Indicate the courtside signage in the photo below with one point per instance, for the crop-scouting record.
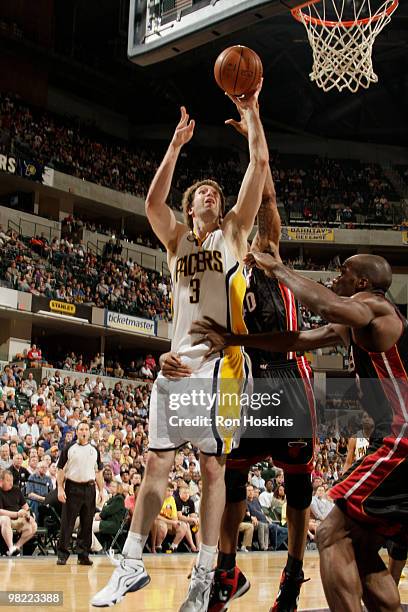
(136, 325)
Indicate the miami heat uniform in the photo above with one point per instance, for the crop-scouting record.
(375, 489)
(208, 281)
(270, 307)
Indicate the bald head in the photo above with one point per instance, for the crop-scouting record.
(372, 268)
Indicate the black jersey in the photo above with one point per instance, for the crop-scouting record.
(383, 379)
(269, 306)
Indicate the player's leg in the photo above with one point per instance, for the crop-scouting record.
(299, 496)
(380, 592)
(338, 566)
(131, 575)
(397, 553)
(229, 582)
(211, 510)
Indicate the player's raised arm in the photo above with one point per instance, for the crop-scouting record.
(269, 222)
(161, 217)
(242, 216)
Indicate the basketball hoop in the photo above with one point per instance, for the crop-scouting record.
(341, 34)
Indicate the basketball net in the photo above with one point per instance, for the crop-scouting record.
(341, 34)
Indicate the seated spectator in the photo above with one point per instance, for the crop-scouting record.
(29, 385)
(145, 372)
(168, 523)
(109, 519)
(186, 513)
(255, 515)
(18, 471)
(321, 505)
(14, 514)
(267, 530)
(5, 459)
(118, 371)
(37, 488)
(271, 506)
(257, 481)
(34, 353)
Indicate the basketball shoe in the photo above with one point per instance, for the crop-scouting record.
(129, 576)
(227, 586)
(199, 590)
(289, 591)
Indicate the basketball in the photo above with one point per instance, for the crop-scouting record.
(238, 70)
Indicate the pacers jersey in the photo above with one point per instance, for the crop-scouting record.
(383, 380)
(269, 307)
(362, 444)
(208, 281)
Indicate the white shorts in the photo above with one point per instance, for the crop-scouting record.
(204, 409)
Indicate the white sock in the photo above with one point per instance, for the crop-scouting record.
(134, 545)
(206, 556)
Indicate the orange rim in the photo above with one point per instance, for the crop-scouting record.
(299, 15)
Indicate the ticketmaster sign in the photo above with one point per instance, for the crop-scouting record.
(136, 325)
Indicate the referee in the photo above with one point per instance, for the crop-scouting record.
(79, 466)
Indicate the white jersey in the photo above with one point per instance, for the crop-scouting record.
(362, 445)
(207, 281)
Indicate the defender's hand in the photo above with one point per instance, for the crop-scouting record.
(172, 366)
(212, 333)
(263, 261)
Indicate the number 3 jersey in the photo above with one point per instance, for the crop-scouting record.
(208, 281)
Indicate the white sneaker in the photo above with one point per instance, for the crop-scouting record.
(199, 591)
(243, 549)
(14, 552)
(129, 576)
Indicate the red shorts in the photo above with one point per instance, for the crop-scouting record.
(375, 489)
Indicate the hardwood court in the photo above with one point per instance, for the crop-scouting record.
(168, 586)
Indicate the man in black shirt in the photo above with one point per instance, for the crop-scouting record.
(14, 514)
(20, 474)
(186, 513)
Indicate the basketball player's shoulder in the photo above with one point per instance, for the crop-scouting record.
(377, 303)
(181, 232)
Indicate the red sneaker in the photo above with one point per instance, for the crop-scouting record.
(227, 586)
(289, 591)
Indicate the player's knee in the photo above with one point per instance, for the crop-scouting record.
(212, 471)
(158, 463)
(325, 536)
(299, 490)
(235, 482)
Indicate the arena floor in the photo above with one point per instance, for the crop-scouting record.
(168, 586)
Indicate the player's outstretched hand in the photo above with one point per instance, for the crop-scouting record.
(211, 333)
(184, 130)
(263, 261)
(246, 103)
(172, 367)
(241, 126)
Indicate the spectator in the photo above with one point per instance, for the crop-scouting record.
(18, 471)
(168, 523)
(14, 514)
(5, 459)
(109, 519)
(257, 518)
(38, 487)
(257, 481)
(34, 353)
(186, 513)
